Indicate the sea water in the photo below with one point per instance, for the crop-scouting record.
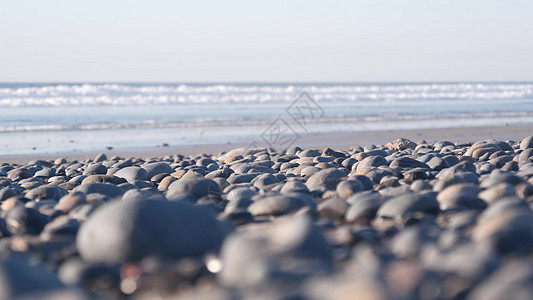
(86, 117)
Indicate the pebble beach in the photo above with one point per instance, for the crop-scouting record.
(402, 219)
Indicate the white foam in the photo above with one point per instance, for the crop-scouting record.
(143, 94)
(335, 120)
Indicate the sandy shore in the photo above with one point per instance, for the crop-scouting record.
(340, 140)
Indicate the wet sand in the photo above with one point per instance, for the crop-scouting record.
(318, 140)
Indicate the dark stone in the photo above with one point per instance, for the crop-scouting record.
(527, 143)
(294, 187)
(132, 173)
(260, 255)
(95, 169)
(157, 168)
(332, 208)
(18, 280)
(370, 163)
(100, 188)
(408, 204)
(125, 231)
(280, 204)
(199, 187)
(363, 207)
(406, 162)
(7, 192)
(329, 177)
(23, 220)
(346, 188)
(46, 192)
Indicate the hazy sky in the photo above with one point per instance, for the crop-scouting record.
(159, 40)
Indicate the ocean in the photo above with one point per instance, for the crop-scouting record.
(55, 118)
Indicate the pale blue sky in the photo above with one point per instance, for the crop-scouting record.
(417, 40)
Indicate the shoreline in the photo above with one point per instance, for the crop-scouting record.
(318, 140)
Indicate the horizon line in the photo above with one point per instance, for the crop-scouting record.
(268, 82)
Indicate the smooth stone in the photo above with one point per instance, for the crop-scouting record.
(409, 243)
(100, 158)
(497, 192)
(264, 180)
(199, 187)
(510, 231)
(346, 188)
(309, 153)
(7, 193)
(60, 161)
(460, 188)
(370, 163)
(221, 182)
(62, 225)
(478, 149)
(407, 204)
(241, 178)
(332, 208)
(123, 164)
(239, 198)
(69, 201)
(511, 281)
(333, 153)
(363, 207)
(23, 220)
(349, 162)
(406, 162)
(294, 187)
(437, 164)
(368, 184)
(82, 212)
(497, 177)
(18, 174)
(10, 203)
(224, 173)
(107, 189)
(103, 179)
(19, 280)
(95, 169)
(525, 156)
(377, 152)
(280, 204)
(461, 201)
(417, 174)
(46, 192)
(132, 173)
(464, 166)
(261, 255)
(124, 231)
(329, 177)
(165, 183)
(45, 172)
(377, 174)
(309, 170)
(420, 185)
(141, 184)
(526, 143)
(401, 144)
(452, 179)
(157, 168)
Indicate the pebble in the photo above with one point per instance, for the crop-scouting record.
(127, 231)
(329, 177)
(258, 258)
(106, 189)
(347, 188)
(132, 173)
(23, 220)
(403, 220)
